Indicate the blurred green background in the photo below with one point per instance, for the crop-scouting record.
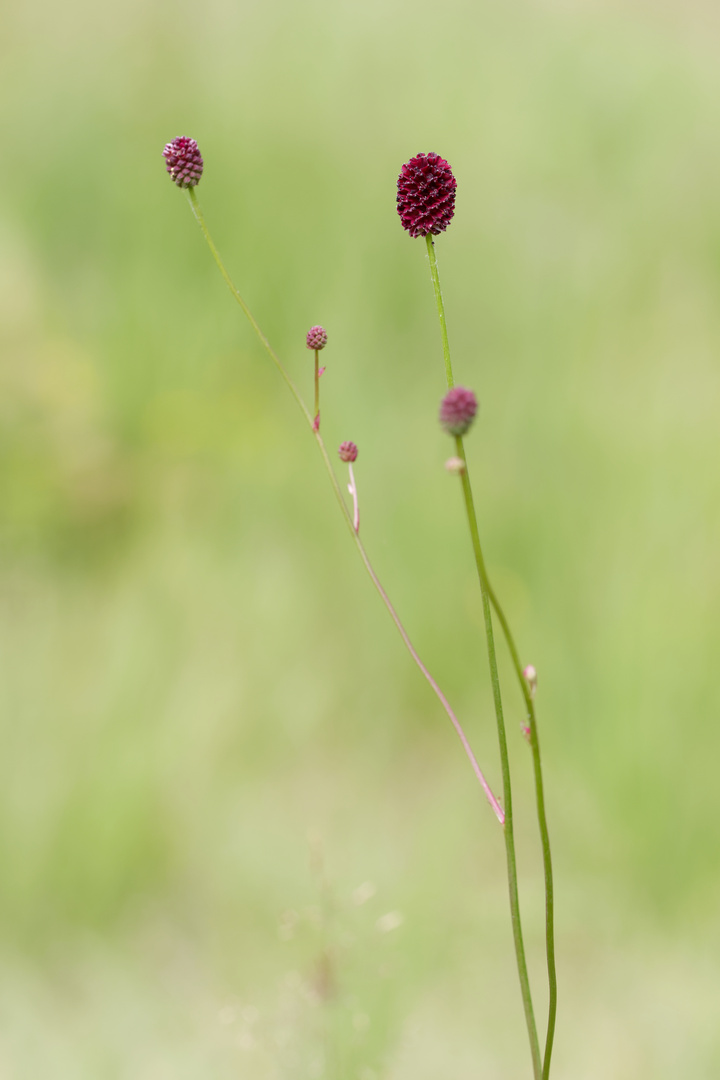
(238, 837)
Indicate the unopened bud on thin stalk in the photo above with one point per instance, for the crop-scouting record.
(316, 337)
(531, 677)
(426, 195)
(183, 161)
(457, 410)
(348, 451)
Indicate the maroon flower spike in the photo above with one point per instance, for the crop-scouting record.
(183, 161)
(348, 451)
(426, 195)
(316, 338)
(457, 410)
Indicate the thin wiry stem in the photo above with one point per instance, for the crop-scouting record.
(544, 834)
(350, 520)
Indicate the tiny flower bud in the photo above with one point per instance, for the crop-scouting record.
(457, 410)
(526, 732)
(531, 675)
(455, 465)
(426, 195)
(316, 338)
(348, 451)
(183, 161)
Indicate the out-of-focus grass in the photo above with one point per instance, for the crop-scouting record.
(199, 689)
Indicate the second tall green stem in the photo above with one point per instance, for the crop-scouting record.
(508, 828)
(540, 1068)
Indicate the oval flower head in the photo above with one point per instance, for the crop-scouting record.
(457, 410)
(426, 195)
(183, 161)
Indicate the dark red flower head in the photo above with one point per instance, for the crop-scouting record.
(316, 338)
(457, 410)
(183, 161)
(348, 451)
(426, 195)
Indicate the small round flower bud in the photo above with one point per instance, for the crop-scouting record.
(426, 195)
(457, 410)
(316, 338)
(183, 161)
(455, 465)
(348, 451)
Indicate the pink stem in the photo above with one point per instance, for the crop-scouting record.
(352, 488)
(499, 812)
(314, 425)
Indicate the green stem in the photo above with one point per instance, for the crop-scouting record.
(349, 518)
(488, 597)
(195, 207)
(530, 707)
(544, 834)
(441, 310)
(508, 830)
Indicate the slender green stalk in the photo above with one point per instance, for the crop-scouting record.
(352, 520)
(509, 830)
(441, 310)
(488, 592)
(544, 835)
(195, 207)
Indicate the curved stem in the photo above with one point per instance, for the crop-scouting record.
(544, 834)
(349, 519)
(502, 817)
(509, 830)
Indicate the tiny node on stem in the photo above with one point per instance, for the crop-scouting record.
(531, 677)
(455, 465)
